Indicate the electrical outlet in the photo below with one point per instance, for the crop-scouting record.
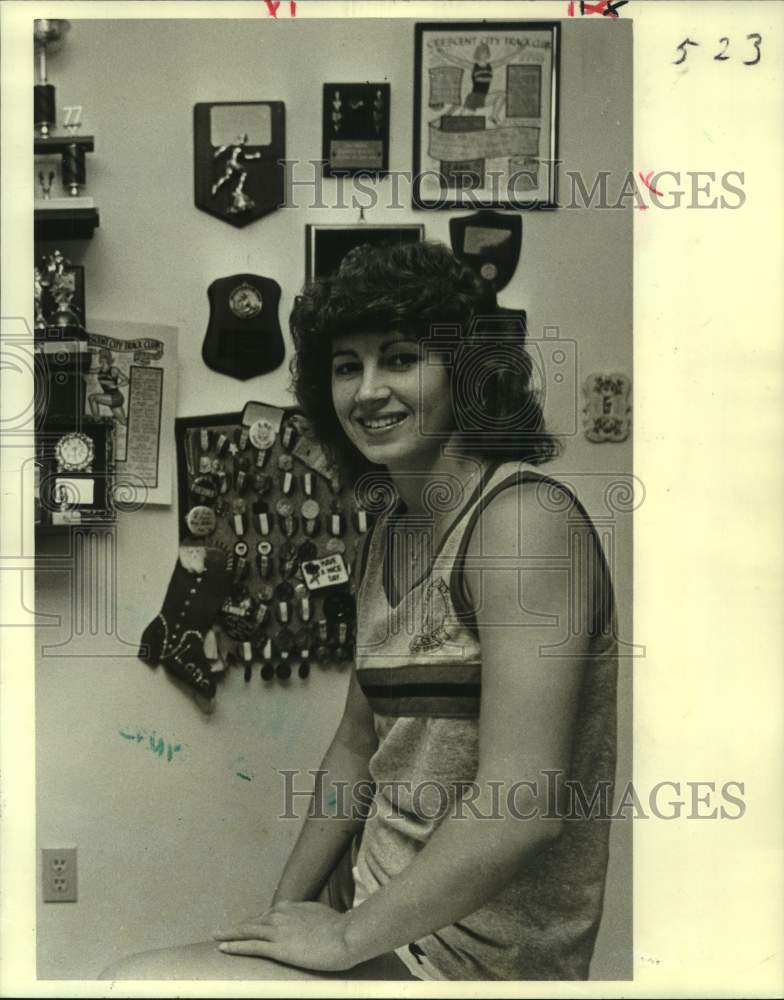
(58, 874)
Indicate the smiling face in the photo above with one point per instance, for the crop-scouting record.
(395, 407)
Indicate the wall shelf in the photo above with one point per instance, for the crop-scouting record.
(65, 223)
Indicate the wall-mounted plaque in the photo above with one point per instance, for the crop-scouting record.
(489, 242)
(326, 246)
(237, 148)
(607, 410)
(355, 128)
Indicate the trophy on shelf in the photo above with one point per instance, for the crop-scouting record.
(72, 215)
(48, 34)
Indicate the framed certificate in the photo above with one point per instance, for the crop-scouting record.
(486, 114)
(355, 129)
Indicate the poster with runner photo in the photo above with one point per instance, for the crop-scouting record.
(133, 379)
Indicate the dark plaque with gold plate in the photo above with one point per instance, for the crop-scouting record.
(75, 474)
(237, 150)
(355, 128)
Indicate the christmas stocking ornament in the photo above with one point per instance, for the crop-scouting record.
(175, 638)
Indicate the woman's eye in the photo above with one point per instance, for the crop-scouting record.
(345, 368)
(401, 359)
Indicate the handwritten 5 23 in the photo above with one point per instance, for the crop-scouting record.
(753, 51)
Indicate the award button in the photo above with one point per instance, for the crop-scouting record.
(288, 437)
(261, 513)
(201, 521)
(262, 484)
(267, 671)
(336, 545)
(262, 435)
(283, 671)
(204, 488)
(307, 551)
(285, 511)
(310, 513)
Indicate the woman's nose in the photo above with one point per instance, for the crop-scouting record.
(372, 386)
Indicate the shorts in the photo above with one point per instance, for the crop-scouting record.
(343, 891)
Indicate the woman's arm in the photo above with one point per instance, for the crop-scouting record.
(526, 718)
(322, 841)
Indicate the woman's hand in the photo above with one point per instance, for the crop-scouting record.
(308, 935)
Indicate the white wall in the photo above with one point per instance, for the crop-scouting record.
(170, 850)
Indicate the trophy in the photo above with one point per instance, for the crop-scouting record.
(57, 284)
(47, 35)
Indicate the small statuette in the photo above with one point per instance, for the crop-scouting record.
(46, 183)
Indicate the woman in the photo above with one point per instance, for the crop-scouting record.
(461, 677)
(481, 713)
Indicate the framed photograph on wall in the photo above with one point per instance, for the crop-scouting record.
(486, 114)
(326, 246)
(355, 129)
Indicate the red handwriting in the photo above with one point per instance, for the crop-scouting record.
(607, 8)
(646, 179)
(272, 8)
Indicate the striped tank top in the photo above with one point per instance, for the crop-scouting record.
(419, 664)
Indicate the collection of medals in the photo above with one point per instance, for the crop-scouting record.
(262, 491)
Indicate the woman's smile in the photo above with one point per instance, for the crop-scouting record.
(381, 423)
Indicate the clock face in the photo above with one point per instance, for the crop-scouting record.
(75, 452)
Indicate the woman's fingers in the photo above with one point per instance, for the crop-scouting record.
(261, 929)
(255, 949)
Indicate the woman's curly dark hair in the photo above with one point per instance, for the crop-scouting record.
(414, 288)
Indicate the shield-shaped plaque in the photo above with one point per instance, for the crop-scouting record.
(243, 337)
(488, 242)
(237, 152)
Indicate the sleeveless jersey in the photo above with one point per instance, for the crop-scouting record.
(419, 664)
